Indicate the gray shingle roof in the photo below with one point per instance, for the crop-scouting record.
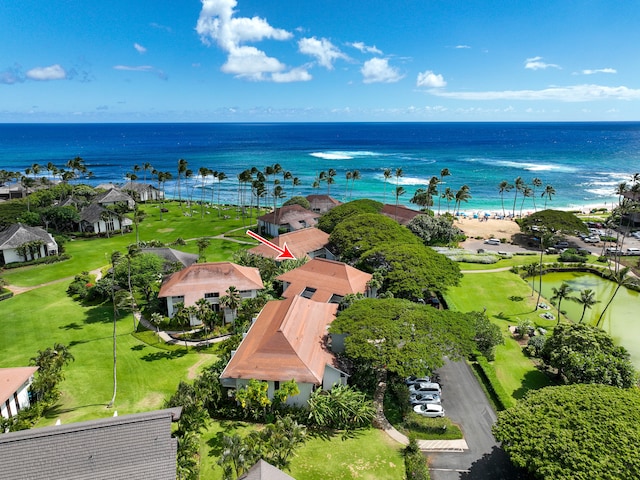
(132, 447)
(172, 256)
(113, 195)
(92, 213)
(265, 471)
(18, 234)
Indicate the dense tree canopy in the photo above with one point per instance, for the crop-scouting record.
(360, 233)
(402, 337)
(411, 270)
(434, 230)
(555, 221)
(145, 270)
(574, 432)
(587, 354)
(298, 200)
(333, 217)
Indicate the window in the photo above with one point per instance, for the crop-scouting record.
(308, 292)
(245, 293)
(212, 295)
(336, 298)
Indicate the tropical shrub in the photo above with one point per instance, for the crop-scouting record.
(342, 408)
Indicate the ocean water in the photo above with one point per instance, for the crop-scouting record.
(584, 162)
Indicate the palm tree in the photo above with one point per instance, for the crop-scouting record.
(27, 183)
(387, 175)
(204, 312)
(526, 192)
(399, 191)
(422, 199)
(399, 173)
(448, 195)
(545, 240)
(182, 316)
(146, 167)
(115, 257)
(622, 279)
(204, 173)
(519, 184)
(443, 173)
(330, 174)
(348, 176)
(202, 244)
(462, 195)
(504, 187)
(182, 169)
(531, 270)
(536, 182)
(231, 301)
(156, 319)
(560, 294)
(221, 176)
(587, 299)
(548, 192)
(355, 175)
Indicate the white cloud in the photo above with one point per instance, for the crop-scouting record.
(294, 75)
(536, 63)
(430, 79)
(52, 72)
(365, 48)
(378, 70)
(141, 68)
(251, 63)
(323, 50)
(461, 46)
(574, 93)
(139, 48)
(599, 70)
(217, 24)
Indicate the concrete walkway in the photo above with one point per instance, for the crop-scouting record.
(381, 422)
(167, 337)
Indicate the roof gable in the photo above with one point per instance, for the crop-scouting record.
(285, 342)
(18, 234)
(290, 214)
(299, 242)
(399, 213)
(11, 379)
(328, 277)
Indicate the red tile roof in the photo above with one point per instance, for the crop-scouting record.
(299, 243)
(292, 215)
(400, 214)
(285, 342)
(11, 379)
(327, 277)
(200, 278)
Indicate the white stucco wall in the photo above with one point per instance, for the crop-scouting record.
(23, 401)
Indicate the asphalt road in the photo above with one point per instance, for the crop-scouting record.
(466, 404)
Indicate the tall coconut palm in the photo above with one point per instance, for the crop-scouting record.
(422, 199)
(527, 192)
(387, 175)
(519, 185)
(432, 190)
(532, 269)
(330, 180)
(146, 167)
(587, 299)
(622, 279)
(348, 176)
(548, 192)
(448, 195)
(462, 195)
(443, 173)
(560, 294)
(502, 188)
(355, 175)
(535, 183)
(399, 173)
(399, 192)
(546, 238)
(204, 173)
(115, 258)
(221, 176)
(232, 301)
(182, 168)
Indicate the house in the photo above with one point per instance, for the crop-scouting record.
(97, 219)
(114, 196)
(399, 213)
(322, 203)
(11, 191)
(172, 257)
(308, 242)
(209, 281)
(264, 471)
(325, 280)
(143, 192)
(286, 219)
(135, 447)
(287, 341)
(14, 389)
(35, 241)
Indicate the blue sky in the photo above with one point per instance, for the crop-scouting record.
(326, 60)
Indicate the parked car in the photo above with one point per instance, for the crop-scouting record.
(633, 251)
(492, 241)
(592, 239)
(429, 410)
(560, 245)
(419, 398)
(413, 380)
(425, 388)
(613, 251)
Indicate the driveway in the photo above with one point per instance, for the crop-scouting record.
(466, 404)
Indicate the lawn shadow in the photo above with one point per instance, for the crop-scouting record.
(98, 314)
(533, 380)
(164, 355)
(57, 410)
(137, 348)
(71, 326)
(493, 465)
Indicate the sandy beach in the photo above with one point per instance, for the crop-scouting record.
(474, 227)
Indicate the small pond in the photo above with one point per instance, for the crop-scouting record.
(622, 318)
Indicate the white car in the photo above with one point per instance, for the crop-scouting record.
(592, 240)
(419, 398)
(492, 241)
(429, 410)
(430, 388)
(413, 380)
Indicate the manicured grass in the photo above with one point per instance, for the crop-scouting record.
(500, 293)
(91, 253)
(147, 376)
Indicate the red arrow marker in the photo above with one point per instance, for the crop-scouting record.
(285, 253)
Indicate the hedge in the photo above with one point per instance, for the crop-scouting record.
(38, 261)
(488, 374)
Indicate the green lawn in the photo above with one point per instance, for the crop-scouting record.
(369, 454)
(507, 299)
(147, 376)
(91, 253)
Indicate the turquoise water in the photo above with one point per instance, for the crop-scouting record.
(620, 319)
(582, 161)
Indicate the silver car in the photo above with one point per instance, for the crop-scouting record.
(429, 410)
